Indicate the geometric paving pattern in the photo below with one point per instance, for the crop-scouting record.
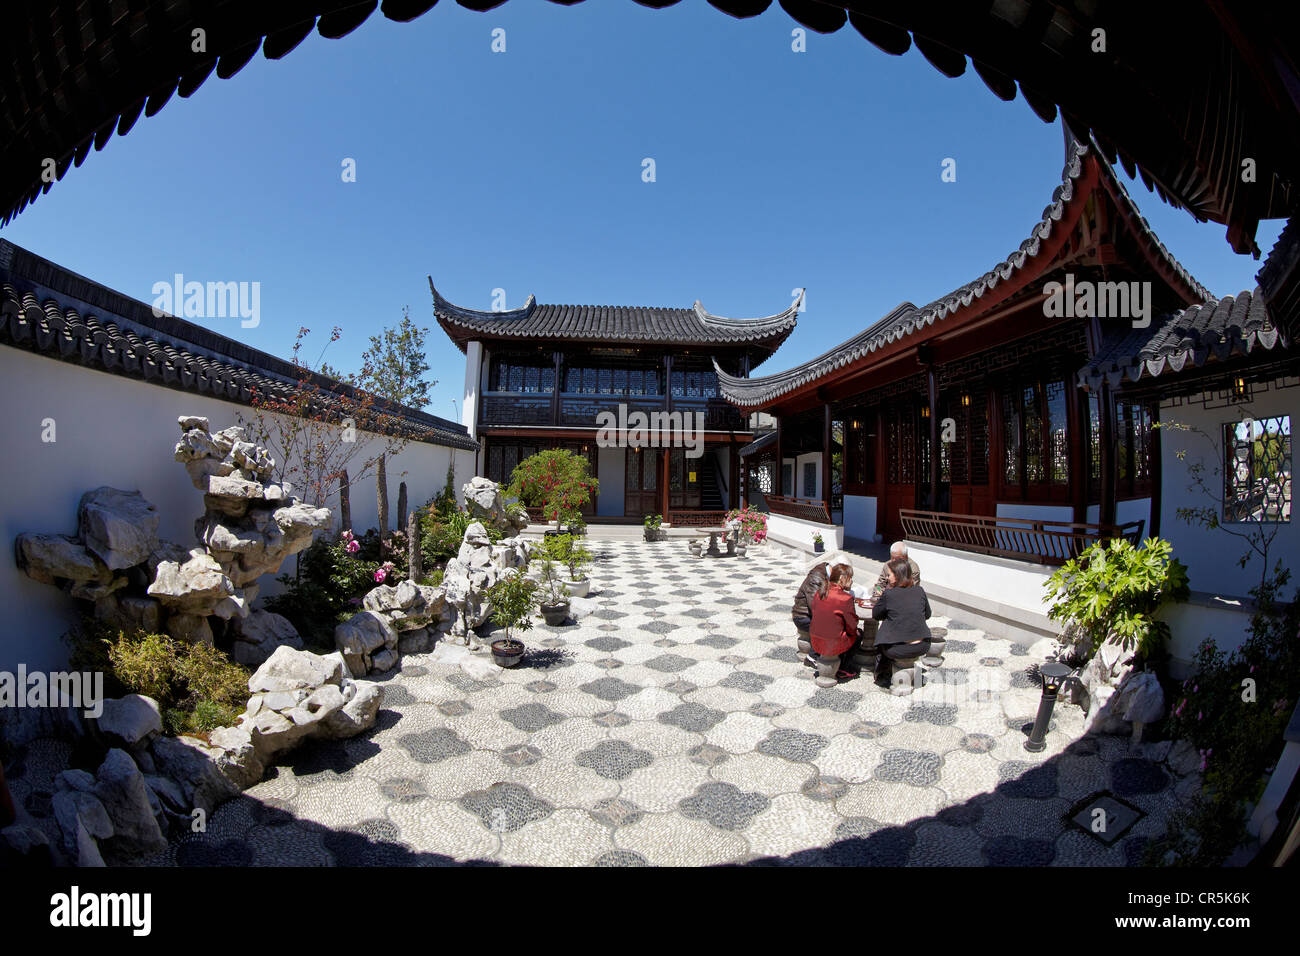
(675, 725)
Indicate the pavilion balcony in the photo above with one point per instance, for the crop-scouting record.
(1045, 542)
(582, 410)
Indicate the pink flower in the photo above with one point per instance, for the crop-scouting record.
(1200, 714)
(381, 574)
(352, 547)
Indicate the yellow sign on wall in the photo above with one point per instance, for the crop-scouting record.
(692, 479)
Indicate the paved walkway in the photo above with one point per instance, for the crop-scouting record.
(674, 725)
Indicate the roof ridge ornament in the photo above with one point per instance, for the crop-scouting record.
(707, 317)
(454, 311)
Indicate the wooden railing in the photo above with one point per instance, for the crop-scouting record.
(1047, 542)
(809, 509)
(696, 519)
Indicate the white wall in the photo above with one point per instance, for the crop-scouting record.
(860, 517)
(798, 532)
(1212, 556)
(1014, 509)
(117, 431)
(610, 463)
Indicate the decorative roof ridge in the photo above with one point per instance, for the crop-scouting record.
(776, 319)
(1179, 269)
(455, 311)
(886, 330)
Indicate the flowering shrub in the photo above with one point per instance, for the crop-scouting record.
(749, 523)
(332, 577)
(556, 480)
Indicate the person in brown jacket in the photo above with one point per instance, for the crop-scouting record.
(801, 612)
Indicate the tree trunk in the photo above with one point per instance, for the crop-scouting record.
(414, 571)
(345, 503)
(381, 487)
(401, 505)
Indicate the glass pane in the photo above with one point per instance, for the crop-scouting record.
(494, 464)
(1058, 435)
(1094, 438)
(573, 380)
(620, 381)
(604, 381)
(652, 381)
(510, 458)
(1011, 438)
(1035, 467)
(532, 379)
(679, 384)
(589, 381)
(979, 441)
(809, 479)
(516, 378)
(649, 471)
(548, 379)
(709, 384)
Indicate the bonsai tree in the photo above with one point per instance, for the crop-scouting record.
(512, 600)
(1112, 591)
(567, 550)
(556, 480)
(553, 591)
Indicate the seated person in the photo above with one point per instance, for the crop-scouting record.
(834, 628)
(897, 550)
(902, 609)
(801, 612)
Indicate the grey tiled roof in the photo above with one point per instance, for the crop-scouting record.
(906, 319)
(615, 323)
(1215, 331)
(47, 309)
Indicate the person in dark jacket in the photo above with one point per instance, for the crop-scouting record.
(902, 609)
(834, 623)
(802, 610)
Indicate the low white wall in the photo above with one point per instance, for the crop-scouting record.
(1014, 509)
(609, 472)
(1136, 509)
(1226, 621)
(117, 431)
(798, 532)
(860, 517)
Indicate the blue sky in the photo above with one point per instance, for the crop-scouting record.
(522, 171)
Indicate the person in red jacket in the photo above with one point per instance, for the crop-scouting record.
(834, 627)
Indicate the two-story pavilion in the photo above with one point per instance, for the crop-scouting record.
(582, 377)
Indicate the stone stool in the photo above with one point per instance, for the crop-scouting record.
(827, 668)
(805, 642)
(904, 677)
(937, 644)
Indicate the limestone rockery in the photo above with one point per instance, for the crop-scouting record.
(249, 526)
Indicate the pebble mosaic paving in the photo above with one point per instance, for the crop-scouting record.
(675, 725)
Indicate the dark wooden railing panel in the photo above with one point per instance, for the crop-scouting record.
(1047, 542)
(807, 509)
(516, 410)
(696, 519)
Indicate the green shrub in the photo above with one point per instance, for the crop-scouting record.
(212, 677)
(145, 664)
(328, 587)
(512, 600)
(1234, 710)
(1112, 591)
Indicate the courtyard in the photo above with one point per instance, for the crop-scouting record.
(674, 725)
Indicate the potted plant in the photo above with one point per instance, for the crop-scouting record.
(575, 558)
(818, 545)
(654, 528)
(554, 594)
(558, 481)
(512, 606)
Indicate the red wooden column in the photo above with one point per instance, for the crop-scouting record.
(1106, 513)
(780, 463)
(826, 457)
(663, 482)
(932, 383)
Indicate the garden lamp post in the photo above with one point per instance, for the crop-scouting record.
(1053, 675)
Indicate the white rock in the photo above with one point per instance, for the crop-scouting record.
(120, 527)
(122, 791)
(288, 670)
(130, 721)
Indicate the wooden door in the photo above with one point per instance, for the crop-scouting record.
(902, 453)
(641, 482)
